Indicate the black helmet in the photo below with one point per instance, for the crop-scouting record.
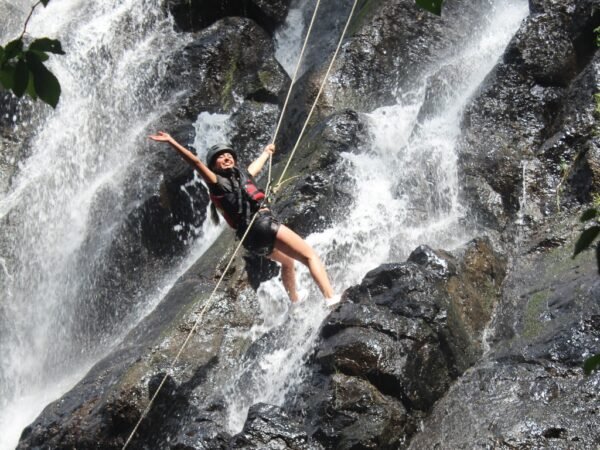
(216, 150)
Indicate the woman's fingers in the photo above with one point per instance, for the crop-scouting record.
(160, 136)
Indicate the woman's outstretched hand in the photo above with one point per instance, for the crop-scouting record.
(161, 136)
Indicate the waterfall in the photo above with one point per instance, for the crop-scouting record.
(76, 186)
(72, 192)
(406, 195)
(288, 40)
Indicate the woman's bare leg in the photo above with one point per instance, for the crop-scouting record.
(294, 246)
(288, 273)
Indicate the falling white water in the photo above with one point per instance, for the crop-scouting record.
(69, 193)
(289, 39)
(406, 189)
(211, 128)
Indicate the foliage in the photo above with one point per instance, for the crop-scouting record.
(22, 68)
(434, 6)
(591, 364)
(586, 238)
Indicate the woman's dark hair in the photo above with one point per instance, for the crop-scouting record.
(211, 156)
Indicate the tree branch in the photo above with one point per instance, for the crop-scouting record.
(29, 17)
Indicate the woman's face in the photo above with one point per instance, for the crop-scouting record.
(224, 161)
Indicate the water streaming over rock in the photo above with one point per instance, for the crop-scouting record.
(72, 194)
(406, 194)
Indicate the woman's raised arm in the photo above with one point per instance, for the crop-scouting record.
(256, 166)
(208, 175)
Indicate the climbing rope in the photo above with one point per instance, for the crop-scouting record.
(314, 105)
(211, 297)
(289, 92)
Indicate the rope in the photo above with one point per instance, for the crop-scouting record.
(318, 96)
(189, 336)
(285, 103)
(210, 300)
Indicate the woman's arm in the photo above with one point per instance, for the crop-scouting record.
(208, 175)
(259, 162)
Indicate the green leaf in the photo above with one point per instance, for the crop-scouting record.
(588, 215)
(21, 78)
(585, 239)
(46, 85)
(434, 6)
(590, 364)
(47, 45)
(13, 49)
(1, 55)
(31, 89)
(41, 55)
(7, 76)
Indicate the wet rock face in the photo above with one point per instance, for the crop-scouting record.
(317, 187)
(354, 414)
(198, 14)
(544, 49)
(232, 59)
(397, 342)
(529, 390)
(529, 135)
(394, 37)
(545, 318)
(252, 127)
(268, 426)
(516, 406)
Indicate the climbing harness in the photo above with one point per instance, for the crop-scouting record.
(210, 299)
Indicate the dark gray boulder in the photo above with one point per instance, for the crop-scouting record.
(355, 414)
(529, 389)
(198, 14)
(396, 342)
(268, 427)
(226, 63)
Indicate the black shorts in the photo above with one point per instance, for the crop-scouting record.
(261, 238)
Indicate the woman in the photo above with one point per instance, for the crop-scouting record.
(234, 193)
